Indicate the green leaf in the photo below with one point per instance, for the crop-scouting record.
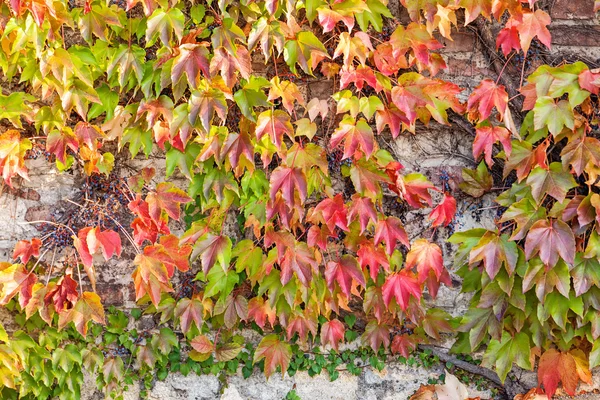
(476, 182)
(165, 23)
(509, 350)
(554, 115)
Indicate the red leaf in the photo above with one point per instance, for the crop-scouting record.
(550, 238)
(390, 231)
(261, 311)
(484, 141)
(57, 143)
(64, 295)
(486, 96)
(288, 180)
(373, 257)
(317, 236)
(202, 344)
(144, 227)
(425, 256)
(508, 38)
(401, 286)
(16, 279)
(24, 249)
(302, 323)
(344, 272)
(275, 353)
(554, 367)
(533, 24)
(414, 189)
(404, 344)
(332, 333)
(391, 117)
(334, 212)
(363, 208)
(354, 136)
(88, 134)
(376, 334)
(590, 81)
(443, 213)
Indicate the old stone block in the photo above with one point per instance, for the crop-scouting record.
(572, 9)
(581, 35)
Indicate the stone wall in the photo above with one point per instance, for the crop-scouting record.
(575, 35)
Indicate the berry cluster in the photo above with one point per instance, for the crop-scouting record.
(39, 150)
(444, 177)
(187, 286)
(385, 33)
(102, 201)
(119, 351)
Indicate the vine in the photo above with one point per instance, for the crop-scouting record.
(288, 226)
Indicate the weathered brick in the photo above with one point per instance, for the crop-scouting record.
(588, 36)
(110, 294)
(573, 9)
(461, 42)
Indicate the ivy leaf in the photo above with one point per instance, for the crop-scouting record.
(355, 135)
(290, 181)
(275, 353)
(494, 250)
(211, 249)
(13, 107)
(554, 115)
(376, 334)
(534, 24)
(426, 257)
(486, 96)
(203, 103)
(191, 60)
(476, 182)
(345, 271)
(485, 138)
(166, 22)
(580, 152)
(554, 367)
(509, 350)
(334, 212)
(551, 239)
(390, 231)
(25, 249)
(12, 155)
(94, 20)
(275, 124)
(150, 277)
(57, 143)
(401, 285)
(188, 311)
(363, 209)
(166, 197)
(227, 351)
(372, 256)
(332, 333)
(16, 279)
(524, 213)
(554, 181)
(202, 344)
(88, 308)
(404, 344)
(260, 311)
(443, 213)
(414, 189)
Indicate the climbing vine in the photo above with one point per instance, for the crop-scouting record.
(286, 204)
